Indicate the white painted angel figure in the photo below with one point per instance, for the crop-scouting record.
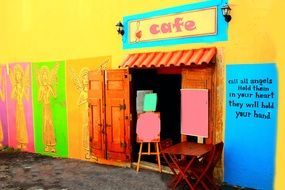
(81, 84)
(47, 81)
(20, 80)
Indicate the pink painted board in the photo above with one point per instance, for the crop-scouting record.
(194, 112)
(148, 127)
(25, 118)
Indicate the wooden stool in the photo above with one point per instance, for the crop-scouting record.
(157, 153)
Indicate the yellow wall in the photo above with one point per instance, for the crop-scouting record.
(278, 32)
(38, 30)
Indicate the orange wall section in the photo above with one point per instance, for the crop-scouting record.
(77, 89)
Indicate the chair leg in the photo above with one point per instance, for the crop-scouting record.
(211, 181)
(201, 180)
(158, 157)
(168, 163)
(140, 154)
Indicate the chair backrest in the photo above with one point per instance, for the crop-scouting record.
(206, 161)
(165, 144)
(211, 161)
(218, 149)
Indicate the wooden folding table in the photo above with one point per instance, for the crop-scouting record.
(191, 149)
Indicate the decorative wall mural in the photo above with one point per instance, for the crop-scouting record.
(2, 99)
(81, 84)
(20, 119)
(1, 128)
(77, 100)
(47, 132)
(50, 108)
(47, 82)
(20, 83)
(251, 120)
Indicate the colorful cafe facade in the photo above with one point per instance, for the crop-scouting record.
(48, 49)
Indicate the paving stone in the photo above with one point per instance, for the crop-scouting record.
(26, 171)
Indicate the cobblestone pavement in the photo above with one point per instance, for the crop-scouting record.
(25, 171)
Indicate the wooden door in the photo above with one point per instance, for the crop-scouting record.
(96, 114)
(117, 84)
(201, 78)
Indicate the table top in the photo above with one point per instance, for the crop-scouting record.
(188, 149)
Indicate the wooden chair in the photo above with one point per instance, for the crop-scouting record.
(163, 145)
(166, 144)
(203, 168)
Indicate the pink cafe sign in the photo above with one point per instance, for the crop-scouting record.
(177, 25)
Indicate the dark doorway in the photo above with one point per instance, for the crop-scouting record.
(169, 103)
(167, 87)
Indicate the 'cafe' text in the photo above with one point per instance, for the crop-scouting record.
(178, 25)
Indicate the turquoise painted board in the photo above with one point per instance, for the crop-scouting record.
(150, 101)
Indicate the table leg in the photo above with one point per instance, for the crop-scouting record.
(182, 173)
(166, 158)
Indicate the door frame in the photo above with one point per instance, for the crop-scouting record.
(203, 72)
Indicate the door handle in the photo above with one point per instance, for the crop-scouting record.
(122, 106)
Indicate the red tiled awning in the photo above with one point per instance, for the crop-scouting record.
(167, 59)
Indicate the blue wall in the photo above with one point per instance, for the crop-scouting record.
(249, 139)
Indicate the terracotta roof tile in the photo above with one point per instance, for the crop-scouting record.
(170, 59)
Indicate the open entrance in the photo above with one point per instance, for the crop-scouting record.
(112, 100)
(167, 87)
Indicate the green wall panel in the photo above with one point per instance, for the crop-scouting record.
(49, 105)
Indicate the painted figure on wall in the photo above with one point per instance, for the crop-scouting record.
(47, 81)
(81, 84)
(20, 85)
(2, 97)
